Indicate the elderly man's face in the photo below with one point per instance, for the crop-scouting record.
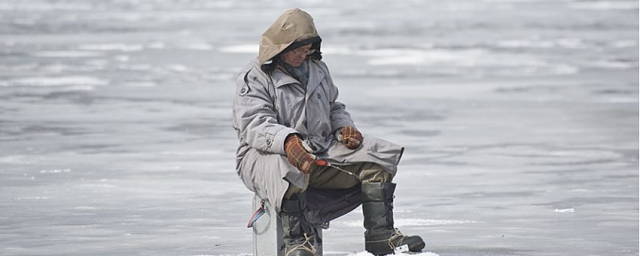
(296, 56)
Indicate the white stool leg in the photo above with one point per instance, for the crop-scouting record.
(268, 234)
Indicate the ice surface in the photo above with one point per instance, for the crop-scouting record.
(414, 222)
(364, 253)
(55, 81)
(67, 54)
(111, 47)
(519, 118)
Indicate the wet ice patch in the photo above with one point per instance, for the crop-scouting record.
(19, 159)
(94, 186)
(239, 254)
(33, 198)
(467, 58)
(587, 153)
(338, 50)
(67, 54)
(141, 84)
(604, 5)
(570, 43)
(56, 171)
(399, 60)
(624, 43)
(414, 56)
(111, 47)
(369, 254)
(134, 67)
(242, 48)
(121, 58)
(568, 210)
(620, 100)
(611, 64)
(178, 68)
(253, 48)
(193, 153)
(55, 81)
(156, 45)
(196, 46)
(84, 208)
(430, 222)
(368, 73)
(417, 222)
(218, 77)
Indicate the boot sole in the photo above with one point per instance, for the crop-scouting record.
(385, 251)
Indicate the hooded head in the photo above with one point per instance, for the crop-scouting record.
(294, 28)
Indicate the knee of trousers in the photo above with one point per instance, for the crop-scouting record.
(372, 172)
(293, 189)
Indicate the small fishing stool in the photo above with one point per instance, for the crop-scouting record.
(268, 236)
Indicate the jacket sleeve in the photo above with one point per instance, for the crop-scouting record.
(339, 115)
(255, 118)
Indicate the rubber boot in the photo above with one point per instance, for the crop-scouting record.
(381, 237)
(298, 233)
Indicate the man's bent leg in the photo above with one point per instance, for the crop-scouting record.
(332, 178)
(273, 186)
(292, 190)
(299, 234)
(377, 204)
(371, 172)
(377, 207)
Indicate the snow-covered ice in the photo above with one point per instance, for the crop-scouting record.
(519, 118)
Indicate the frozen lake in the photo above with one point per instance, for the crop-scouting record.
(519, 117)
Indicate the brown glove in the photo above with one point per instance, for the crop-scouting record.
(298, 156)
(351, 137)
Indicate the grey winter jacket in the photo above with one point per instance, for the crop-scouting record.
(269, 107)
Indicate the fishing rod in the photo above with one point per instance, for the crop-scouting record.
(324, 163)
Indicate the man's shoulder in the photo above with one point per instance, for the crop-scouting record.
(251, 65)
(320, 64)
(251, 72)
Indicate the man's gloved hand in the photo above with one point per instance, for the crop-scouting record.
(298, 156)
(351, 137)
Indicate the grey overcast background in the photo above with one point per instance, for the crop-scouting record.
(519, 117)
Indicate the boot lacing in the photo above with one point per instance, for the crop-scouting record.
(307, 241)
(396, 235)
